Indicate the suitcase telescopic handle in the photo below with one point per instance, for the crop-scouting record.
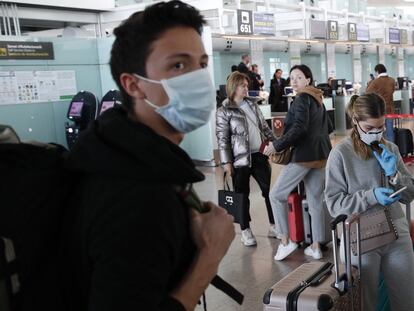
(346, 222)
(339, 284)
(354, 218)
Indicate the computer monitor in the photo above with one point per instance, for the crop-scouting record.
(106, 105)
(288, 90)
(348, 85)
(76, 109)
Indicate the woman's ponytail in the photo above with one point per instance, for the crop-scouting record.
(350, 109)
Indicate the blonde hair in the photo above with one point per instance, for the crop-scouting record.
(362, 108)
(235, 79)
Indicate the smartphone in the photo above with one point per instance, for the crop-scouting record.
(375, 146)
(398, 192)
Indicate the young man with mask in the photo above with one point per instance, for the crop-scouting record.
(135, 242)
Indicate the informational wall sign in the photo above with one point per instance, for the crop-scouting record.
(394, 35)
(244, 22)
(352, 32)
(263, 24)
(362, 32)
(333, 30)
(23, 87)
(404, 36)
(26, 50)
(317, 29)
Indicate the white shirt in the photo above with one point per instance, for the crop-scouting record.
(255, 139)
(384, 74)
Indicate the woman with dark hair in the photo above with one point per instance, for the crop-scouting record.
(360, 180)
(277, 87)
(307, 131)
(241, 129)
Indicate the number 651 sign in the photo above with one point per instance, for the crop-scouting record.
(244, 22)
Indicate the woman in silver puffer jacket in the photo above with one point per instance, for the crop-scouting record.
(241, 129)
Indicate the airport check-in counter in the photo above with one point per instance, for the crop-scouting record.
(402, 99)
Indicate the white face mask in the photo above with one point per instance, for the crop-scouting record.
(371, 136)
(191, 99)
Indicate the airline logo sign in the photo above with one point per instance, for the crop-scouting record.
(244, 22)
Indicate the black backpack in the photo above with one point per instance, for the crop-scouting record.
(34, 187)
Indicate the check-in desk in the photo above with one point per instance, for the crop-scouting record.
(340, 105)
(402, 100)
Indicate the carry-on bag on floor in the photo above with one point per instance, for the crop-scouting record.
(320, 285)
(295, 218)
(404, 141)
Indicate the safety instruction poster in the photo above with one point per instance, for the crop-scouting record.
(24, 87)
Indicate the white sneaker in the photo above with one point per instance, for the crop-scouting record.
(315, 253)
(273, 233)
(248, 238)
(285, 250)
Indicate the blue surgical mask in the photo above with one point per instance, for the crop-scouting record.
(191, 100)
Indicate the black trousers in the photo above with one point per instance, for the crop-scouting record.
(261, 172)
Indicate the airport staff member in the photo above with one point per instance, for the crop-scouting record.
(277, 87)
(243, 66)
(135, 244)
(384, 86)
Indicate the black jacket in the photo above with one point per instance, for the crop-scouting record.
(128, 243)
(276, 99)
(307, 129)
(243, 68)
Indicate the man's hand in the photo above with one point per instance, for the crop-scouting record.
(213, 231)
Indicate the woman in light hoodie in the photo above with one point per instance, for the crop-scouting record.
(307, 131)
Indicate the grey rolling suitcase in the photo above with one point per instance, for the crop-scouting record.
(320, 285)
(307, 224)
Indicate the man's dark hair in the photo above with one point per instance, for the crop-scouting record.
(234, 68)
(380, 68)
(305, 70)
(134, 37)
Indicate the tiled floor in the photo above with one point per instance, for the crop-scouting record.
(252, 270)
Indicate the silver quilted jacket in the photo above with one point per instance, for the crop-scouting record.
(233, 133)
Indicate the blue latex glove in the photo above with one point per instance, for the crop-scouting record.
(382, 196)
(387, 160)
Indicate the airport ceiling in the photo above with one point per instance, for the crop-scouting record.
(390, 3)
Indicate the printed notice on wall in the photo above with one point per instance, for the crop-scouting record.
(24, 87)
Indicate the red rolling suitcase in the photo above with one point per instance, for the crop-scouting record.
(295, 219)
(320, 285)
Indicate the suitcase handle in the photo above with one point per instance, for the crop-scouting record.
(346, 285)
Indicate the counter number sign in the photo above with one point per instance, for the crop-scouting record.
(245, 22)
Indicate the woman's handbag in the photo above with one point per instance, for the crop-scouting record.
(377, 228)
(283, 157)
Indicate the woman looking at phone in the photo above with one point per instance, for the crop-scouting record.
(362, 172)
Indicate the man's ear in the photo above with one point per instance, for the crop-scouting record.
(131, 86)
